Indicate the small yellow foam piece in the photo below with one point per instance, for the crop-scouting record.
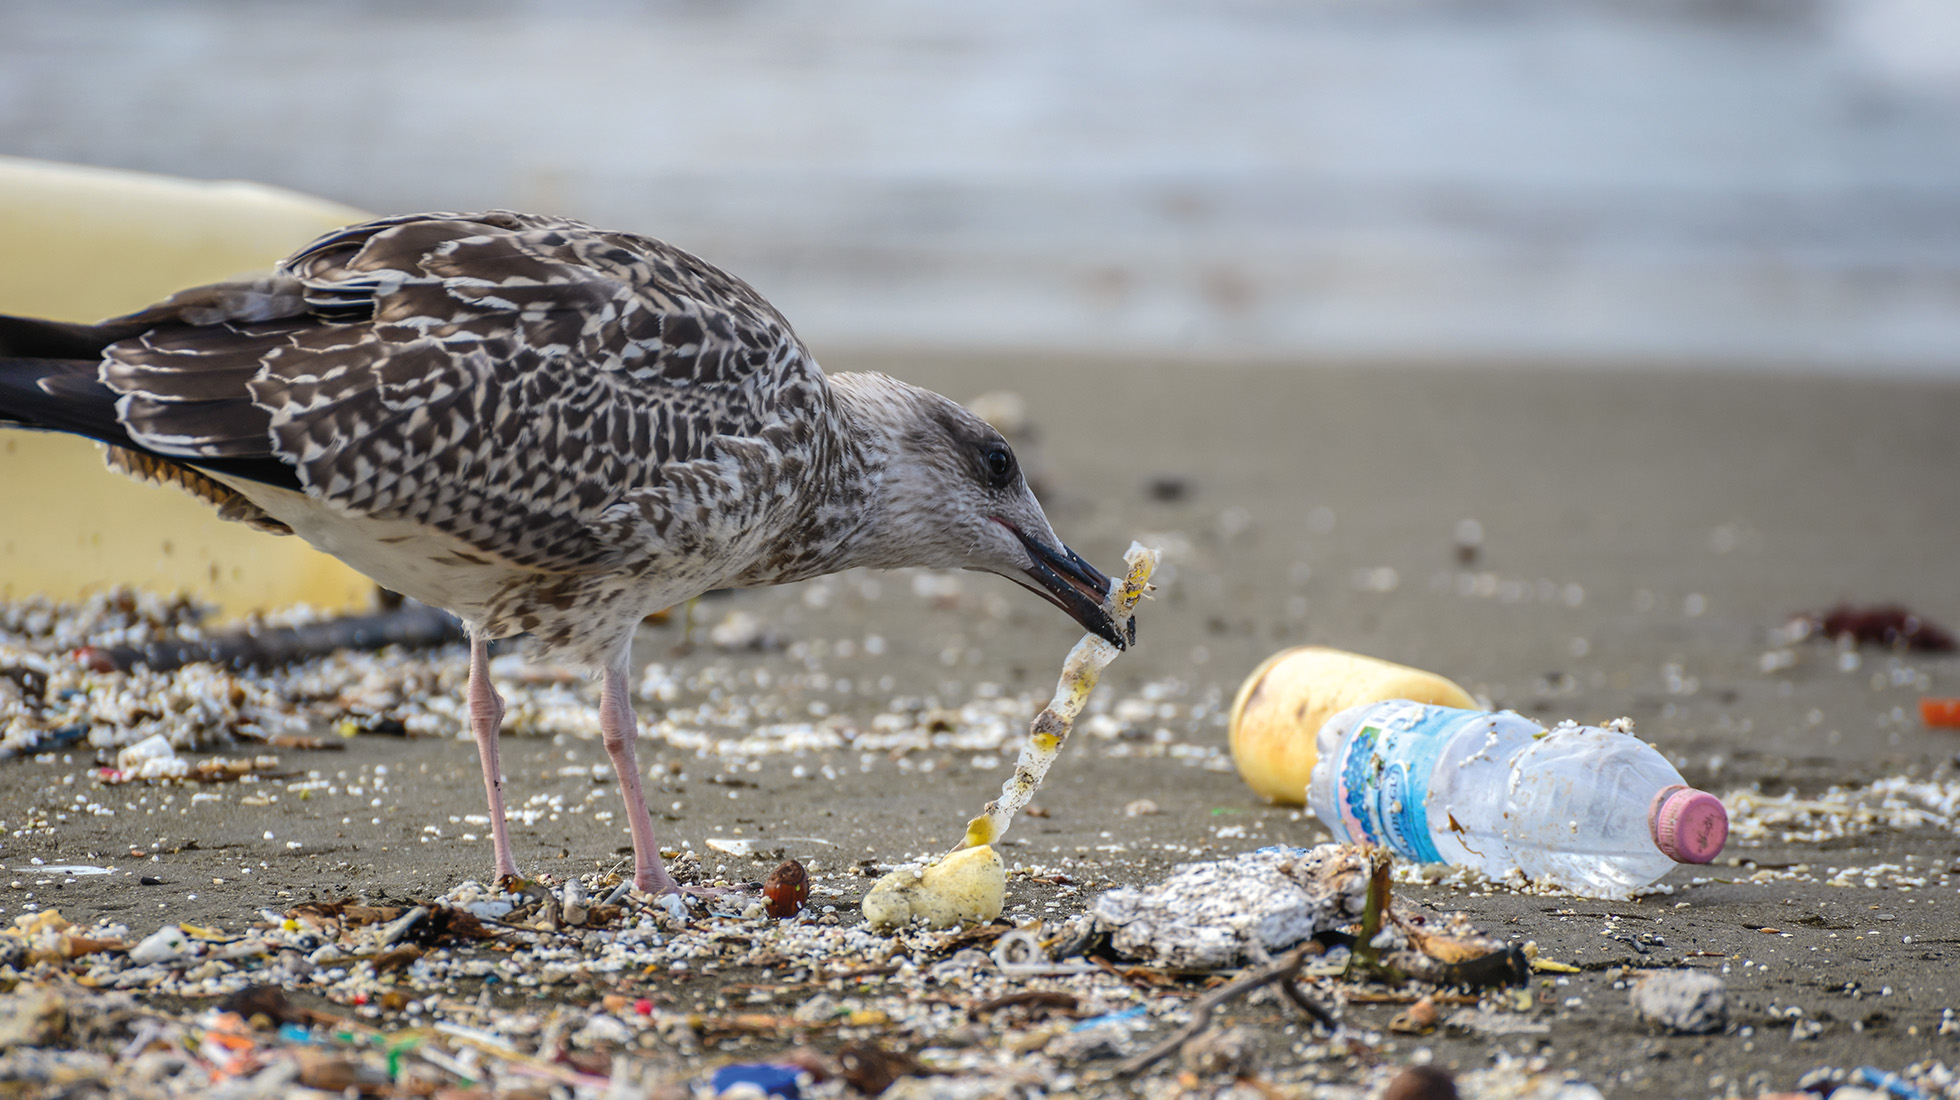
(965, 887)
(31, 924)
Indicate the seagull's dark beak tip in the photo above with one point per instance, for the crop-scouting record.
(1075, 586)
(1109, 632)
(1121, 636)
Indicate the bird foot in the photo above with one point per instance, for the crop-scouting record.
(513, 883)
(675, 899)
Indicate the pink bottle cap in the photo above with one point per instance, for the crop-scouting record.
(1689, 826)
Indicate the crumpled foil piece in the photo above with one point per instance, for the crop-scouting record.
(1211, 915)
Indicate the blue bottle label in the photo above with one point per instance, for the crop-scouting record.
(1384, 773)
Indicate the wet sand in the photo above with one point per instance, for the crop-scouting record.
(1644, 534)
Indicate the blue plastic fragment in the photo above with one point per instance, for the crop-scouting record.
(46, 740)
(293, 1033)
(782, 1081)
(1098, 1021)
(1872, 1077)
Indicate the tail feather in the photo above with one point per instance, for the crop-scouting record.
(33, 338)
(49, 382)
(48, 378)
(61, 395)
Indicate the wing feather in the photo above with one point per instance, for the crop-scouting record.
(503, 378)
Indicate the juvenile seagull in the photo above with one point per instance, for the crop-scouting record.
(543, 428)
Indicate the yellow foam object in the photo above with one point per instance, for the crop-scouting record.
(82, 244)
(966, 886)
(1282, 705)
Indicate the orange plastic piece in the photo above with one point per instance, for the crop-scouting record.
(1940, 713)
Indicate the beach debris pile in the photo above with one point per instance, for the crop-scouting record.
(544, 985)
(52, 695)
(542, 988)
(123, 667)
(1837, 813)
(1252, 906)
(727, 706)
(1222, 913)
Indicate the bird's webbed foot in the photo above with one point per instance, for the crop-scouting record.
(670, 896)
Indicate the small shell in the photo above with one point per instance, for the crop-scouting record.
(1418, 1019)
(786, 888)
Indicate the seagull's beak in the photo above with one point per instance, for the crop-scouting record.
(1061, 576)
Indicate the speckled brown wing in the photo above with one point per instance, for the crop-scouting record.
(502, 378)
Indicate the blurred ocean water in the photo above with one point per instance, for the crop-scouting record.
(1760, 183)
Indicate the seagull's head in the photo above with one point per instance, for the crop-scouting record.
(950, 494)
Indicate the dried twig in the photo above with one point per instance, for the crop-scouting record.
(412, 624)
(1364, 958)
(1283, 971)
(1031, 999)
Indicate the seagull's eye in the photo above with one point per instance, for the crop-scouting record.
(1000, 466)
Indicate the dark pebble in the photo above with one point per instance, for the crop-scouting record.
(1168, 487)
(1421, 1083)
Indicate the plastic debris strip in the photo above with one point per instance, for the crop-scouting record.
(56, 688)
(58, 702)
(407, 998)
(1080, 671)
(968, 884)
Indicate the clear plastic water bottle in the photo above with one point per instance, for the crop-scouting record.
(1593, 811)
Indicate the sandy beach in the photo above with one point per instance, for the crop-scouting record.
(1644, 535)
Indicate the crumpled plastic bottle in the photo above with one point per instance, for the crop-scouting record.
(1590, 810)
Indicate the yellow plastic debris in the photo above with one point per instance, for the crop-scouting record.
(83, 244)
(1282, 705)
(967, 886)
(1542, 965)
